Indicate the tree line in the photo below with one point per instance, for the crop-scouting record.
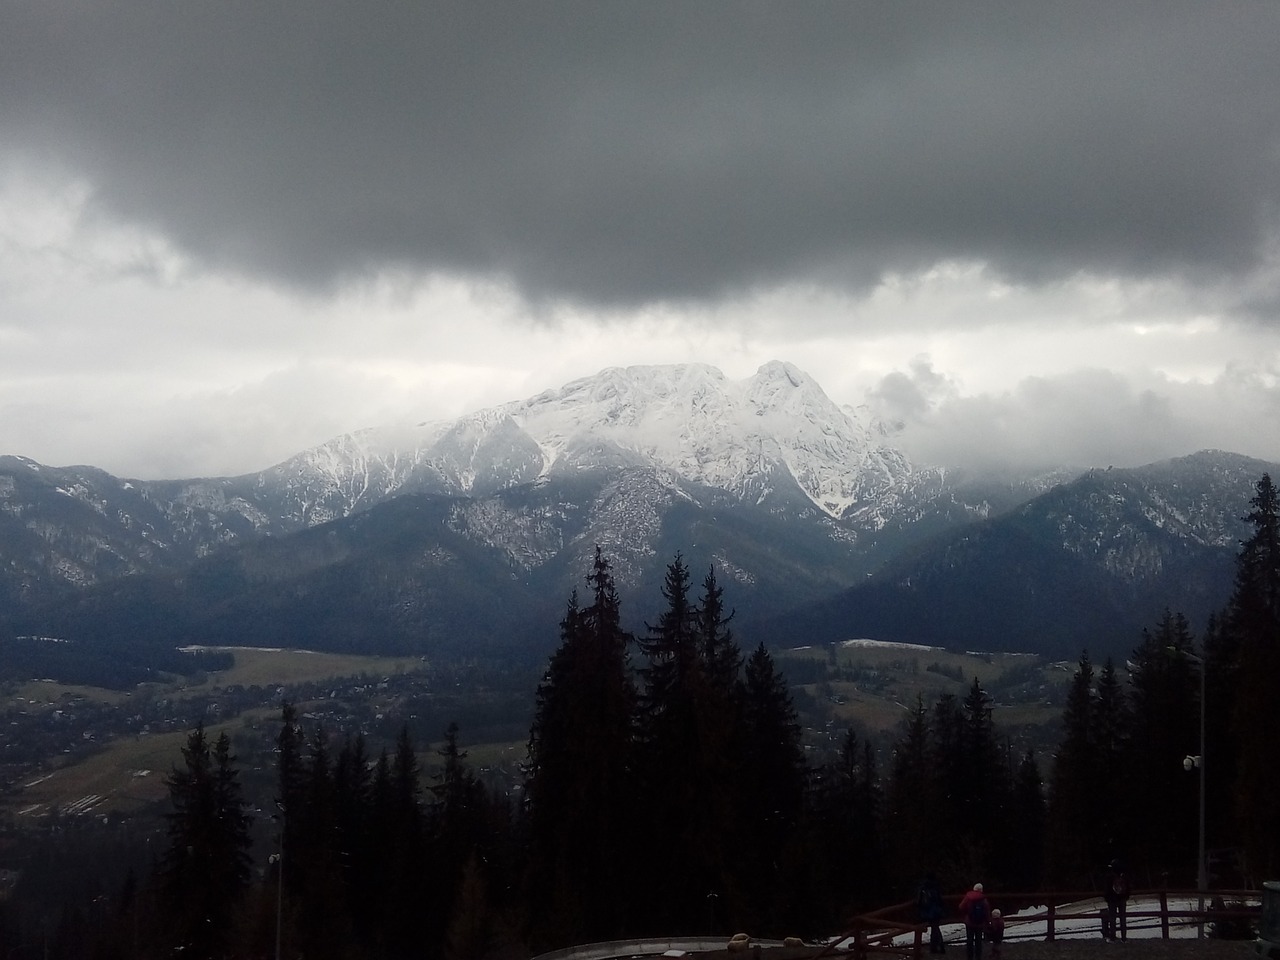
(1125, 778)
(667, 791)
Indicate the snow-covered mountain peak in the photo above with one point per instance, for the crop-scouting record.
(744, 436)
(691, 419)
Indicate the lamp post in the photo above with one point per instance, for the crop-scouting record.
(279, 861)
(1202, 876)
(1202, 868)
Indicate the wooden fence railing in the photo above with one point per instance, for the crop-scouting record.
(895, 929)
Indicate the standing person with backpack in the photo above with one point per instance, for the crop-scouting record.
(1115, 891)
(974, 913)
(929, 909)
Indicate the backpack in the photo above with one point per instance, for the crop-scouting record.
(978, 912)
(1120, 885)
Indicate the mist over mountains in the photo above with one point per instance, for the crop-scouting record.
(467, 536)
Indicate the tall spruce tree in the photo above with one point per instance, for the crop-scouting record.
(1253, 619)
(291, 783)
(360, 860)
(988, 775)
(457, 827)
(1024, 833)
(322, 922)
(1164, 695)
(949, 772)
(1073, 848)
(772, 783)
(913, 828)
(718, 651)
(579, 778)
(205, 870)
(405, 853)
(1110, 731)
(717, 709)
(1222, 747)
(846, 805)
(678, 729)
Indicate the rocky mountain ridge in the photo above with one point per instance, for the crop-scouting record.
(790, 498)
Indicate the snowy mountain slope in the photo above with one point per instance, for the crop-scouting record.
(739, 436)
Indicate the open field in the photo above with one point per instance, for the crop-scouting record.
(876, 686)
(46, 693)
(260, 667)
(122, 764)
(126, 774)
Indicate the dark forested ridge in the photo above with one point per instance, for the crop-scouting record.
(1086, 564)
(667, 790)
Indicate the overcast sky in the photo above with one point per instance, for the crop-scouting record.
(1033, 233)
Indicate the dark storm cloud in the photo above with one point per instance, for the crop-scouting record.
(627, 152)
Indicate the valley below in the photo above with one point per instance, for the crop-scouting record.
(75, 751)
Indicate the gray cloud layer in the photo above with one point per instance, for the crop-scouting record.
(621, 153)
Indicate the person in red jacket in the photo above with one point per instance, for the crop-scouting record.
(974, 912)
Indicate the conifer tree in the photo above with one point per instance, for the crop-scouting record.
(385, 851)
(717, 708)
(457, 822)
(291, 781)
(580, 781)
(845, 807)
(1110, 733)
(675, 730)
(1072, 808)
(987, 782)
(322, 922)
(913, 828)
(1024, 833)
(946, 790)
(353, 803)
(470, 933)
(718, 651)
(1253, 620)
(405, 851)
(205, 870)
(1164, 694)
(772, 783)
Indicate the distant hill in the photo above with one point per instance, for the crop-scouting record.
(1086, 565)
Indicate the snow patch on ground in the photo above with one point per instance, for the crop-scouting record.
(887, 644)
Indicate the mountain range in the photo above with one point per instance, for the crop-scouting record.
(468, 536)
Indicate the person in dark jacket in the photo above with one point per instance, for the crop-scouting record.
(929, 909)
(974, 912)
(1115, 891)
(995, 933)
